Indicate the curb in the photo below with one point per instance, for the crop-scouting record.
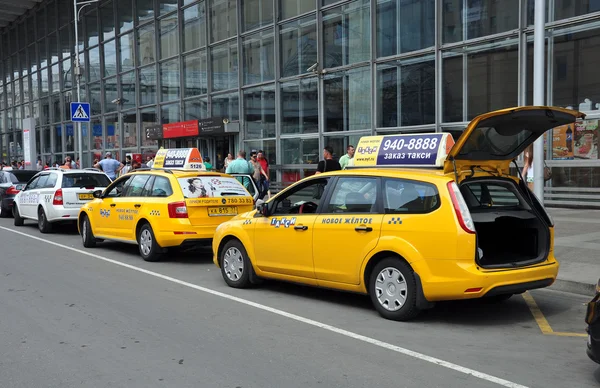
(574, 287)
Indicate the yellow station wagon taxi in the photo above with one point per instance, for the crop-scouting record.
(162, 208)
(430, 220)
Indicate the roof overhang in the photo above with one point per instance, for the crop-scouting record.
(11, 10)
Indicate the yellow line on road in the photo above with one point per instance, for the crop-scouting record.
(541, 320)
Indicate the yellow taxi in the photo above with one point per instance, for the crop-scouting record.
(160, 208)
(419, 219)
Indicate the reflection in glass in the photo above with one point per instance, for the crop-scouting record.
(404, 26)
(148, 85)
(111, 93)
(94, 64)
(406, 92)
(95, 98)
(97, 136)
(223, 20)
(58, 131)
(570, 8)
(112, 133)
(300, 106)
(452, 87)
(149, 119)
(224, 66)
(169, 78)
(226, 106)
(26, 91)
(127, 52)
(45, 83)
(258, 57)
(170, 113)
(195, 109)
(259, 112)
(256, 13)
(166, 6)
(195, 79)
(128, 90)
(55, 79)
(91, 28)
(298, 46)
(33, 61)
(145, 10)
(129, 120)
(291, 8)
(300, 151)
(347, 100)
(52, 41)
(347, 34)
(124, 15)
(65, 48)
(341, 143)
(452, 21)
(67, 78)
(110, 58)
(146, 46)
(169, 37)
(40, 22)
(194, 24)
(107, 19)
(65, 15)
(487, 17)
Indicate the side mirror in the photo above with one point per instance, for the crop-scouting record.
(262, 208)
(97, 194)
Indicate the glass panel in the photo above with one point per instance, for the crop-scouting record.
(268, 148)
(107, 18)
(27, 89)
(194, 68)
(125, 15)
(347, 34)
(258, 57)
(452, 20)
(225, 66)
(226, 106)
(40, 22)
(70, 139)
(33, 63)
(404, 26)
(166, 6)
(52, 42)
(55, 79)
(452, 87)
(169, 37)
(128, 98)
(256, 13)
(126, 52)
(94, 73)
(95, 98)
(300, 106)
(169, 76)
(45, 82)
(91, 28)
(569, 8)
(146, 45)
(59, 131)
(259, 112)
(111, 93)
(340, 146)
(487, 17)
(46, 140)
(300, 151)
(17, 88)
(223, 19)
(97, 139)
(44, 111)
(149, 119)
(170, 113)
(406, 92)
(291, 8)
(129, 129)
(194, 27)
(66, 50)
(493, 78)
(43, 51)
(30, 30)
(347, 100)
(148, 85)
(51, 10)
(145, 10)
(110, 58)
(298, 46)
(195, 109)
(112, 133)
(67, 78)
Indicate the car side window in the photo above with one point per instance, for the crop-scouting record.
(353, 195)
(33, 184)
(117, 188)
(51, 182)
(136, 186)
(3, 177)
(404, 196)
(161, 187)
(41, 184)
(304, 199)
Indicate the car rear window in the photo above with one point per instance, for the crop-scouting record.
(489, 195)
(22, 176)
(85, 180)
(403, 196)
(211, 186)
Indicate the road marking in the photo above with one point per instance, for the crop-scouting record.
(324, 326)
(541, 320)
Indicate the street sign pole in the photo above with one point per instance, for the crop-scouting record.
(538, 93)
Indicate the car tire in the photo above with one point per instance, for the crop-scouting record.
(235, 265)
(393, 290)
(87, 236)
(43, 225)
(4, 212)
(149, 248)
(19, 221)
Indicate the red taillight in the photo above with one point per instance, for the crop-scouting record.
(12, 190)
(460, 207)
(58, 197)
(178, 210)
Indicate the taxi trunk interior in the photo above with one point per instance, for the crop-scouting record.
(509, 233)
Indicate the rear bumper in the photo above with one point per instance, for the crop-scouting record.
(59, 214)
(7, 202)
(185, 236)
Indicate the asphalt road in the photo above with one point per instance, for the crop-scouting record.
(73, 317)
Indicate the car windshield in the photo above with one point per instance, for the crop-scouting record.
(85, 180)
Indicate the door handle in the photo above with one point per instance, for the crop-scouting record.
(301, 227)
(137, 205)
(363, 229)
(113, 204)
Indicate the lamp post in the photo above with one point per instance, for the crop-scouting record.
(538, 93)
(77, 7)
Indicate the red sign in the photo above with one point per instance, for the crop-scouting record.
(181, 129)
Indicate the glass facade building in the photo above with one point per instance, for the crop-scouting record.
(292, 76)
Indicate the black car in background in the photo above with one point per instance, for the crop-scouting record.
(592, 318)
(11, 182)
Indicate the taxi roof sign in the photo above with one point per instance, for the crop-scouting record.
(184, 158)
(404, 150)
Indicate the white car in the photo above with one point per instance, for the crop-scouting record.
(56, 195)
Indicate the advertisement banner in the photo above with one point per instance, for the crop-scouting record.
(562, 142)
(181, 129)
(186, 158)
(586, 140)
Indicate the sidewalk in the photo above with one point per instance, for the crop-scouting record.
(577, 248)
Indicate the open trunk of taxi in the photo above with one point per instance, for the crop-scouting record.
(509, 232)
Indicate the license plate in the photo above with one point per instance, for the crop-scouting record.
(222, 211)
(86, 196)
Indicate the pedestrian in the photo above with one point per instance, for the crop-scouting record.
(328, 163)
(38, 164)
(345, 160)
(150, 161)
(78, 164)
(228, 160)
(110, 166)
(241, 166)
(67, 165)
(207, 164)
(263, 183)
(128, 165)
(527, 171)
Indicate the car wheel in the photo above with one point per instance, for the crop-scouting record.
(149, 249)
(43, 225)
(87, 237)
(235, 265)
(4, 212)
(393, 290)
(19, 221)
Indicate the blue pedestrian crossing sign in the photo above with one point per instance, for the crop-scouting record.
(80, 111)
